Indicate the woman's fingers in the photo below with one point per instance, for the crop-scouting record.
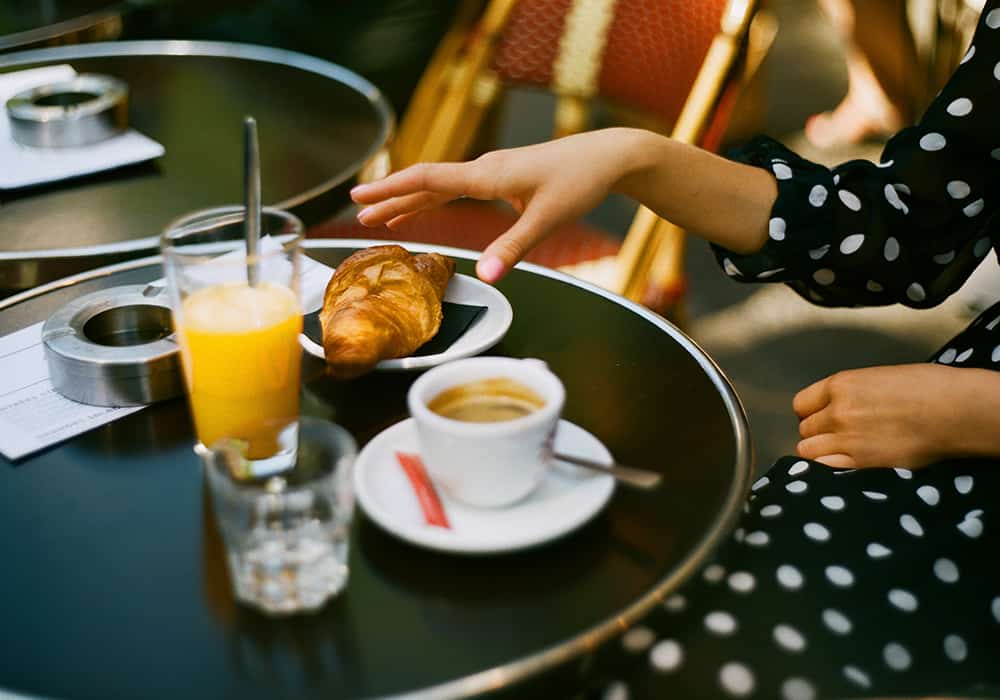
(840, 461)
(820, 445)
(812, 399)
(378, 214)
(454, 179)
(819, 422)
(510, 247)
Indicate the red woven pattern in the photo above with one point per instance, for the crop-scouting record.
(473, 226)
(529, 44)
(654, 51)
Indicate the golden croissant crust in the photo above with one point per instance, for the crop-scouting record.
(382, 302)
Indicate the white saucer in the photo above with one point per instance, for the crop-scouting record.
(568, 498)
(488, 330)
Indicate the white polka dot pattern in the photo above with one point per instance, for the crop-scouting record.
(833, 503)
(667, 656)
(933, 142)
(974, 209)
(904, 600)
(789, 638)
(993, 19)
(892, 197)
(857, 676)
(837, 622)
(675, 603)
(911, 525)
(874, 495)
(852, 243)
(877, 550)
(771, 511)
(903, 473)
(797, 689)
(957, 189)
(782, 171)
(797, 486)
(818, 195)
(720, 623)
(776, 229)
(896, 656)
(839, 576)
(891, 249)
(789, 577)
(736, 679)
(714, 573)
(944, 258)
(929, 495)
(758, 538)
(964, 484)
(850, 200)
(818, 253)
(946, 570)
(955, 648)
(616, 691)
(742, 581)
(960, 108)
(638, 639)
(816, 532)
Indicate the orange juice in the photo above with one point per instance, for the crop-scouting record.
(241, 356)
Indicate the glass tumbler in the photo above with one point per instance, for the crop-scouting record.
(287, 535)
(238, 318)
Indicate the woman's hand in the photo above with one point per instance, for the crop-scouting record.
(548, 184)
(900, 416)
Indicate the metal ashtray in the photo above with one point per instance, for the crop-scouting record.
(76, 112)
(114, 347)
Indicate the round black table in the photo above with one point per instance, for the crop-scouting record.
(115, 584)
(27, 23)
(319, 125)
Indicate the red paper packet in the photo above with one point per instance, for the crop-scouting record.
(430, 504)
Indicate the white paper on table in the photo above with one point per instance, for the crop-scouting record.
(22, 166)
(33, 415)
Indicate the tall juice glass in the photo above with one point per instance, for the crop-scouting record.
(238, 319)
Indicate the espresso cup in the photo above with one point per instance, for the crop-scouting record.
(493, 456)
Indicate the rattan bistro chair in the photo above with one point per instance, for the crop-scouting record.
(674, 66)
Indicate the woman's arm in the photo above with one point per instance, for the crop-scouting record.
(555, 182)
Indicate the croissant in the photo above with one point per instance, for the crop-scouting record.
(382, 302)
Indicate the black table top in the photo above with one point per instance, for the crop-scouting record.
(115, 583)
(24, 23)
(318, 123)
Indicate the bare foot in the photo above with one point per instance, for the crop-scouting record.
(865, 112)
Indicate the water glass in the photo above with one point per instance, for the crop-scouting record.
(287, 535)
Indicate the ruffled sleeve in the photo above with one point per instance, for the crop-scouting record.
(910, 229)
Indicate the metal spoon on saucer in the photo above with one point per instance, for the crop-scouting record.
(638, 478)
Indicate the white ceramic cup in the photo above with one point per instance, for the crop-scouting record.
(487, 464)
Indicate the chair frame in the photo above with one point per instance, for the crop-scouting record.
(459, 88)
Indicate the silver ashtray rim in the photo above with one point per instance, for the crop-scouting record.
(79, 124)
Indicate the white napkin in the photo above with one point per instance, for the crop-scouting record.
(21, 166)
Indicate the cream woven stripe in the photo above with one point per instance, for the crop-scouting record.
(581, 47)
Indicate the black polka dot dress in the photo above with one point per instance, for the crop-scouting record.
(873, 582)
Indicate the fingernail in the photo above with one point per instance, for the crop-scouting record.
(364, 214)
(490, 269)
(358, 189)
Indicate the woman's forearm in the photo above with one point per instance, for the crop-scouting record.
(725, 202)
